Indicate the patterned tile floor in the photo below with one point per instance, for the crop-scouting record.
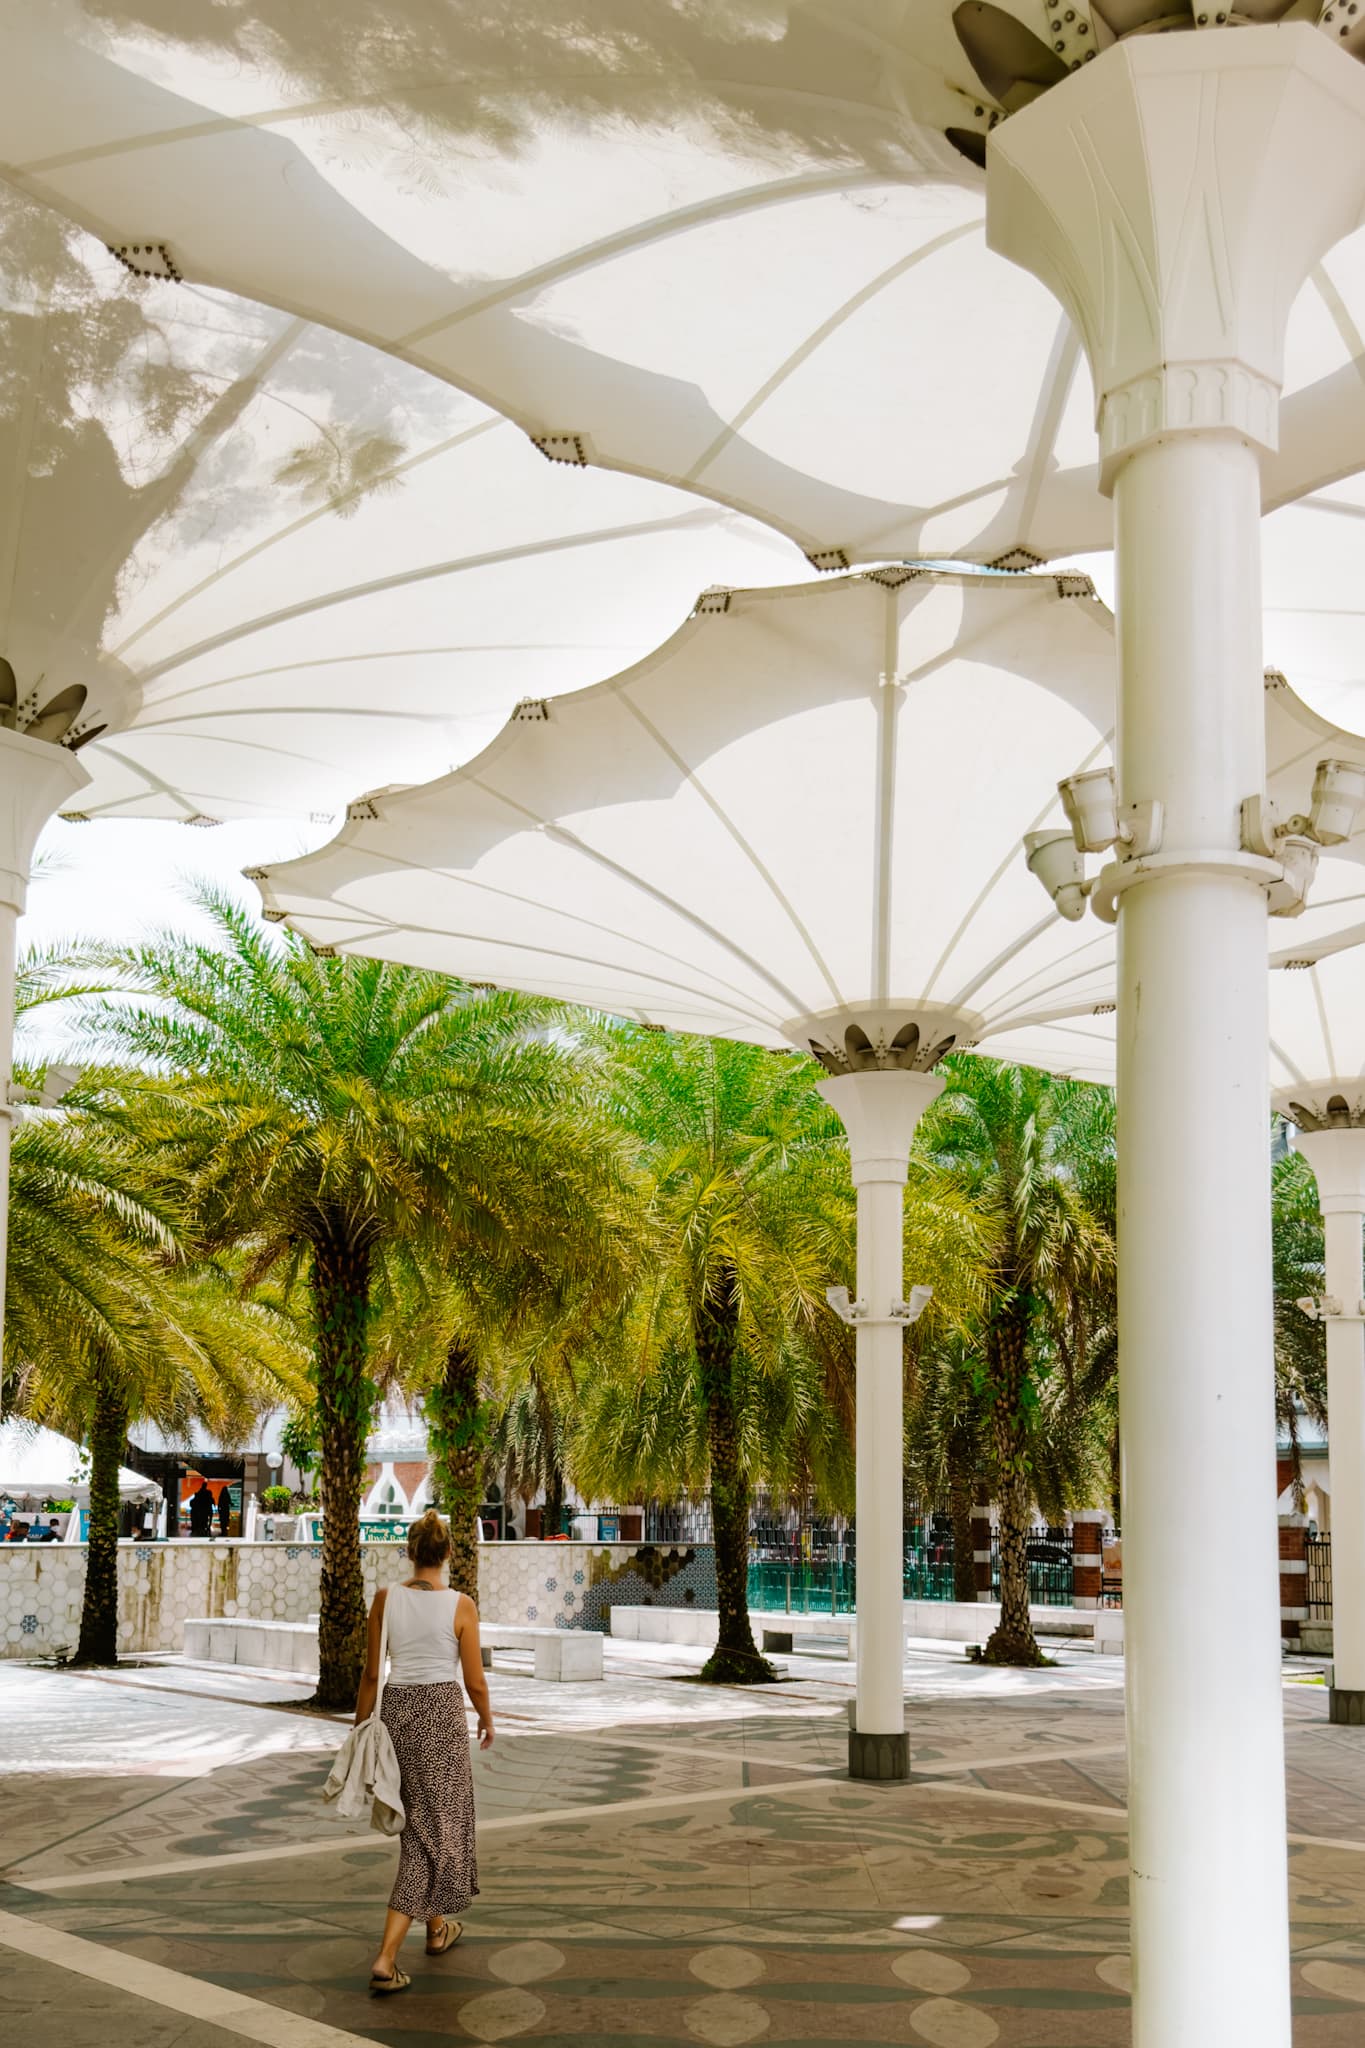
(663, 1866)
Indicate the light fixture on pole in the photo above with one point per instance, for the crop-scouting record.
(1258, 134)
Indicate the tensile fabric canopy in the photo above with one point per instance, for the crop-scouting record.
(807, 808)
(252, 566)
(738, 248)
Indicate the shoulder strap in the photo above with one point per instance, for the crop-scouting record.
(383, 1649)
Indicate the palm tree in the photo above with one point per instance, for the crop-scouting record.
(947, 1442)
(338, 1122)
(107, 1324)
(1296, 1240)
(728, 1365)
(1016, 1141)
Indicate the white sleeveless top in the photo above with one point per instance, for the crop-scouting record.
(422, 1645)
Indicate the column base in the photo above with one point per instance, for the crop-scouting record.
(1345, 1707)
(884, 1758)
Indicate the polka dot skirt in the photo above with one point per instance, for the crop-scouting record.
(438, 1870)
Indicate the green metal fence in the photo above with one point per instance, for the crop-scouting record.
(832, 1587)
(802, 1588)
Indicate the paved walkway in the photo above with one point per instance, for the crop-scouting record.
(663, 1865)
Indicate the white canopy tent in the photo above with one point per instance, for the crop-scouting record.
(38, 1464)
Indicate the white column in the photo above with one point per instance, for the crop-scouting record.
(36, 780)
(880, 1110)
(1337, 1158)
(1174, 194)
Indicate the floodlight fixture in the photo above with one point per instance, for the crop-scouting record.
(847, 1310)
(910, 1311)
(1091, 806)
(1337, 803)
(1059, 864)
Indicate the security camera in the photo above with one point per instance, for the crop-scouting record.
(1338, 800)
(1091, 808)
(1060, 866)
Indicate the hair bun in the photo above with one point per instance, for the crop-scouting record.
(429, 1540)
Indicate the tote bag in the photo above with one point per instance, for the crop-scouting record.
(365, 1778)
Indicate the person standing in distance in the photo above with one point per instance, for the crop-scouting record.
(433, 1642)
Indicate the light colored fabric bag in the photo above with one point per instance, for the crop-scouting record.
(365, 1777)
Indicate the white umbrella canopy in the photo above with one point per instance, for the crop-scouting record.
(805, 811)
(34, 1460)
(1317, 1012)
(802, 813)
(281, 566)
(737, 248)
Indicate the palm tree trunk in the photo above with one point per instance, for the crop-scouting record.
(341, 1304)
(552, 1518)
(1012, 1641)
(458, 1422)
(98, 1642)
(961, 1489)
(736, 1660)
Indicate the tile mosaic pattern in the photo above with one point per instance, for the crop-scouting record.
(567, 1585)
(161, 1586)
(575, 1585)
(664, 1865)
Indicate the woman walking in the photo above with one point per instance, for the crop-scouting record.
(433, 1638)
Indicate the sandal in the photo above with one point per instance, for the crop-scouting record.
(451, 1930)
(381, 1987)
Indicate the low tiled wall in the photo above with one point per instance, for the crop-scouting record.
(575, 1585)
(162, 1585)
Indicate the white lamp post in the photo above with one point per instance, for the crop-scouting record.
(1174, 196)
(879, 1110)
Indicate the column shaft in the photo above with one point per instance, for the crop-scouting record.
(1346, 1446)
(881, 1464)
(1206, 1761)
(879, 1109)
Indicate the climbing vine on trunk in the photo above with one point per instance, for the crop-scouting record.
(98, 1642)
(459, 1422)
(346, 1397)
(736, 1660)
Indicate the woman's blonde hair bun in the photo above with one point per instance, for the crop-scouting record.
(429, 1540)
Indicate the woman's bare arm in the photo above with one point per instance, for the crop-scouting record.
(369, 1683)
(471, 1666)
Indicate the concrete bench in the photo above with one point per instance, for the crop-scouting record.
(698, 1627)
(263, 1645)
(778, 1631)
(562, 1654)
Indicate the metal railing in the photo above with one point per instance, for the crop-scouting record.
(1318, 1592)
(830, 1586)
(802, 1588)
(1050, 1582)
(678, 1522)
